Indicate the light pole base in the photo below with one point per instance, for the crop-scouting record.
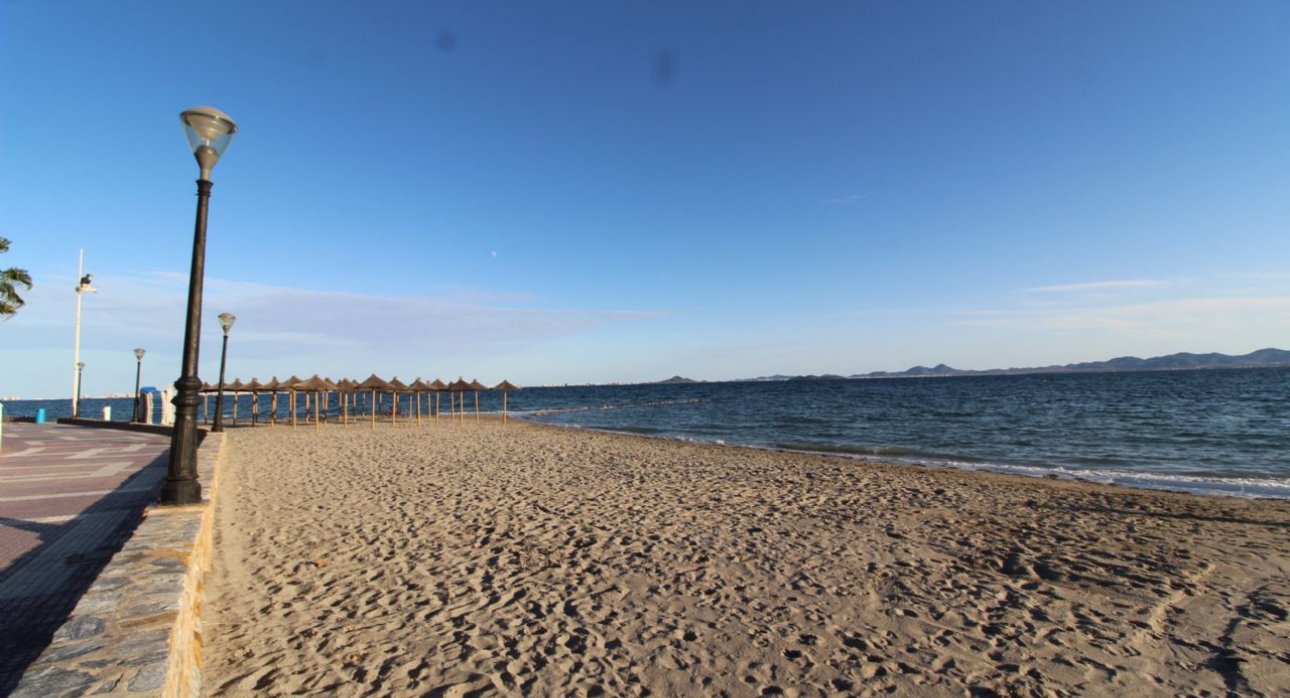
(180, 492)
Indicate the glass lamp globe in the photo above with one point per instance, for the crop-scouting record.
(209, 132)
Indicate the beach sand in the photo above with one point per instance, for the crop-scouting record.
(463, 559)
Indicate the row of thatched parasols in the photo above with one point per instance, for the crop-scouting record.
(319, 390)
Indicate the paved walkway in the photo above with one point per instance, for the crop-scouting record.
(69, 498)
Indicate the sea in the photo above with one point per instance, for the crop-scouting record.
(1201, 431)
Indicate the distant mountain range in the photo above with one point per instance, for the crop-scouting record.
(1174, 362)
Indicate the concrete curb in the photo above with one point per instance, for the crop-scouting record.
(137, 630)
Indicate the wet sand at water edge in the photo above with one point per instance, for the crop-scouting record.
(480, 558)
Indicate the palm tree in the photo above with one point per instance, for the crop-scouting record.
(10, 280)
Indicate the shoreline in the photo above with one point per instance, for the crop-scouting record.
(1151, 481)
(546, 559)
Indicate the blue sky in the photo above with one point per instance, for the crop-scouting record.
(587, 191)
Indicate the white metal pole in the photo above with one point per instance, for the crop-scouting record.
(76, 351)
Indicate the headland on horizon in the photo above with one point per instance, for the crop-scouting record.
(1182, 361)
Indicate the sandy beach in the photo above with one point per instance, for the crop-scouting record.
(463, 559)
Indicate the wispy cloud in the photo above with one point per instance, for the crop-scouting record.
(848, 200)
(867, 312)
(1198, 316)
(276, 321)
(1100, 286)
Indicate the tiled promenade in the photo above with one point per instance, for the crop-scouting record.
(69, 498)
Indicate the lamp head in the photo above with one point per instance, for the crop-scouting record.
(209, 132)
(138, 353)
(226, 321)
(80, 365)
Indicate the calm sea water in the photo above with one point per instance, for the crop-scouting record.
(1212, 432)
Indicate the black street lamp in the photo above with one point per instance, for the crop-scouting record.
(209, 131)
(138, 373)
(226, 322)
(80, 372)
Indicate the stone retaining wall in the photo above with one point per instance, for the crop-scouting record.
(137, 631)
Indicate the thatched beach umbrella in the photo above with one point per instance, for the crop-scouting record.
(289, 387)
(397, 387)
(255, 387)
(206, 391)
(437, 386)
(373, 383)
(344, 387)
(418, 387)
(457, 391)
(476, 386)
(273, 387)
(317, 386)
(335, 388)
(506, 387)
(236, 387)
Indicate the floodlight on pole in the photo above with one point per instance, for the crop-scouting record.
(85, 285)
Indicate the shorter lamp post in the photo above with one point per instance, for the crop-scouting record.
(226, 322)
(80, 373)
(138, 374)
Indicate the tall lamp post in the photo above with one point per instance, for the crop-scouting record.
(80, 371)
(225, 322)
(138, 374)
(209, 132)
(82, 287)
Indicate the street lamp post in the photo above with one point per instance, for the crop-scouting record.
(80, 371)
(82, 287)
(209, 132)
(138, 374)
(225, 322)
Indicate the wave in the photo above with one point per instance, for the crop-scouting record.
(618, 406)
(1276, 488)
(901, 452)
